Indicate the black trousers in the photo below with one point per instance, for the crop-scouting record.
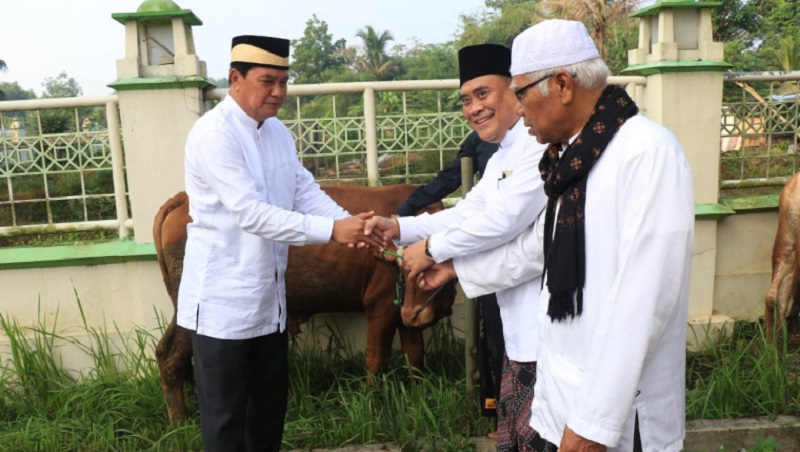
(242, 387)
(491, 349)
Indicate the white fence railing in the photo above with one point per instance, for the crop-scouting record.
(760, 129)
(62, 164)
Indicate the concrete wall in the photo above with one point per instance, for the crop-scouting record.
(744, 264)
(128, 295)
(120, 298)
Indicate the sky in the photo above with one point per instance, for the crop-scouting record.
(41, 38)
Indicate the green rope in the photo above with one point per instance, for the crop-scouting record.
(400, 285)
(390, 253)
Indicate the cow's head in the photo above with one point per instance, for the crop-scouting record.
(422, 308)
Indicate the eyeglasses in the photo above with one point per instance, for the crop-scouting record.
(520, 93)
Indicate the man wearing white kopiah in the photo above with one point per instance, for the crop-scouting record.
(506, 200)
(618, 232)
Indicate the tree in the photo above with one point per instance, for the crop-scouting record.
(316, 56)
(13, 91)
(599, 16)
(3, 68)
(375, 61)
(737, 20)
(62, 120)
(504, 20)
(782, 17)
(428, 62)
(221, 82)
(787, 56)
(61, 86)
(607, 21)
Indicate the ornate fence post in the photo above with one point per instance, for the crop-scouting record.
(684, 69)
(160, 83)
(371, 136)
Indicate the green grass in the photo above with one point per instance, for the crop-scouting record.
(744, 375)
(118, 405)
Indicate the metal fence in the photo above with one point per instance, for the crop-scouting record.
(760, 130)
(62, 166)
(374, 132)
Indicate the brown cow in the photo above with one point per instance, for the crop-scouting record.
(319, 278)
(784, 292)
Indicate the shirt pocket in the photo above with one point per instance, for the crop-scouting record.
(563, 379)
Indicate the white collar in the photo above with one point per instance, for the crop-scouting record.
(512, 134)
(230, 104)
(572, 139)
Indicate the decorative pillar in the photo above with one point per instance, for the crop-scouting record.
(160, 84)
(684, 69)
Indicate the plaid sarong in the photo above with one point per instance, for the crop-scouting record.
(514, 433)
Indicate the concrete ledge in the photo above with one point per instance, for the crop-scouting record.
(71, 255)
(739, 434)
(701, 436)
(706, 330)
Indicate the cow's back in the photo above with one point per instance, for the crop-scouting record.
(333, 278)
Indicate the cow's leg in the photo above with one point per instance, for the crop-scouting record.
(780, 289)
(783, 269)
(790, 305)
(174, 355)
(380, 333)
(413, 346)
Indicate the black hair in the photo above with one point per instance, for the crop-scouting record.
(244, 68)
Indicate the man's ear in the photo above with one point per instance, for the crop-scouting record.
(565, 86)
(234, 76)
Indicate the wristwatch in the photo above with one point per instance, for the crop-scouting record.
(428, 247)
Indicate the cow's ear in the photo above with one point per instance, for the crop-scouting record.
(431, 208)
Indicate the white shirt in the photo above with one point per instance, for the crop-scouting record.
(506, 200)
(249, 199)
(627, 351)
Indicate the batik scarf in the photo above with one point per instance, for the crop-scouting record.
(565, 256)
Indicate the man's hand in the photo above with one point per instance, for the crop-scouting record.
(436, 275)
(386, 228)
(415, 260)
(349, 231)
(572, 442)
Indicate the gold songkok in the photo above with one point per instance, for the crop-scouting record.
(261, 50)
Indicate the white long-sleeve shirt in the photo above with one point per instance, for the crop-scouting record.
(506, 200)
(249, 199)
(521, 261)
(626, 353)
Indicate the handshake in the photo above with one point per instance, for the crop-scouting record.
(367, 229)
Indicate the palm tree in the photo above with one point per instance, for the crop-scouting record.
(787, 55)
(375, 60)
(599, 16)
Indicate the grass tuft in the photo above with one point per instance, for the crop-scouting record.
(742, 375)
(118, 404)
